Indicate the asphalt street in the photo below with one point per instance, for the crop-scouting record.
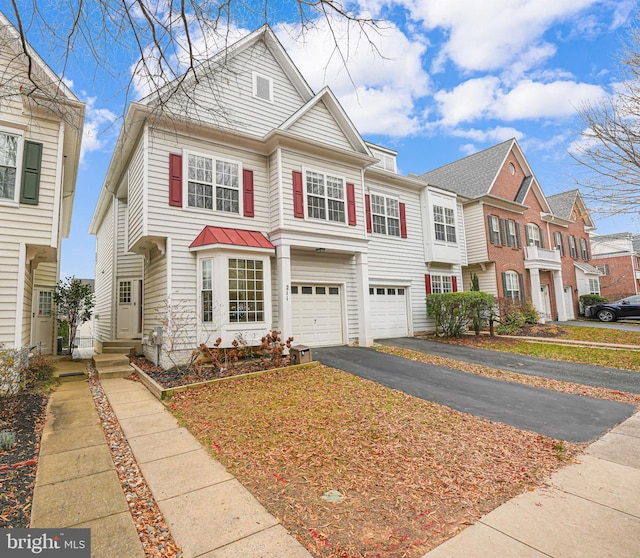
(558, 415)
(612, 378)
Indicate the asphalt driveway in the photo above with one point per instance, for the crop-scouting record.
(598, 376)
(558, 415)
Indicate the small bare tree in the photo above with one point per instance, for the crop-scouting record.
(609, 150)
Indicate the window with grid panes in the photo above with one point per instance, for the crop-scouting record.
(325, 197)
(512, 285)
(246, 290)
(441, 284)
(573, 252)
(445, 223)
(204, 183)
(385, 215)
(207, 291)
(494, 229)
(8, 165)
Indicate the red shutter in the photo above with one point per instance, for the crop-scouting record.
(403, 221)
(175, 179)
(247, 192)
(454, 283)
(427, 283)
(298, 195)
(351, 204)
(367, 204)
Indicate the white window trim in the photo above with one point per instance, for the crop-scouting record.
(591, 289)
(439, 277)
(221, 325)
(20, 147)
(214, 158)
(513, 277)
(344, 223)
(386, 217)
(254, 80)
(531, 228)
(445, 224)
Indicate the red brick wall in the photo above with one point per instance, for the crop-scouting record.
(621, 281)
(507, 185)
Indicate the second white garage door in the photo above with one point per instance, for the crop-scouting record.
(388, 312)
(316, 315)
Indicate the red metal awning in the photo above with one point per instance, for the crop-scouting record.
(232, 237)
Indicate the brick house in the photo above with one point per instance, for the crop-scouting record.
(521, 244)
(617, 257)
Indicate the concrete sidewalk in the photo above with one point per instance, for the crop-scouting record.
(207, 510)
(590, 509)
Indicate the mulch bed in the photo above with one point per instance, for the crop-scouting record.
(23, 414)
(180, 377)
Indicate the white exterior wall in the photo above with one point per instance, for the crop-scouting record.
(400, 261)
(128, 264)
(319, 124)
(330, 269)
(486, 278)
(156, 299)
(228, 92)
(292, 161)
(104, 282)
(476, 240)
(136, 195)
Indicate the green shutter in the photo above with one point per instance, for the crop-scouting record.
(518, 240)
(521, 279)
(504, 284)
(541, 233)
(31, 166)
(492, 236)
(503, 233)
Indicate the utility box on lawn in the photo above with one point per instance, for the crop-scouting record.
(300, 354)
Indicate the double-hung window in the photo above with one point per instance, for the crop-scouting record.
(441, 284)
(494, 229)
(594, 286)
(445, 223)
(583, 249)
(325, 197)
(207, 291)
(212, 179)
(558, 241)
(9, 144)
(534, 238)
(385, 215)
(511, 285)
(573, 252)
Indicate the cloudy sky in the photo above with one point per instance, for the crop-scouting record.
(436, 80)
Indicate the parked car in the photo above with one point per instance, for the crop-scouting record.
(627, 308)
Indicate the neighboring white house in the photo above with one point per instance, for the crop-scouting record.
(39, 152)
(261, 207)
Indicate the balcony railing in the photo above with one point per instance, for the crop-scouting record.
(541, 255)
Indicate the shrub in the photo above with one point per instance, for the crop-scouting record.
(530, 313)
(454, 312)
(39, 370)
(589, 299)
(11, 372)
(7, 440)
(513, 314)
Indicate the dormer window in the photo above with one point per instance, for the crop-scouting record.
(387, 160)
(262, 87)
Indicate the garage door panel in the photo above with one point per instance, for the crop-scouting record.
(317, 315)
(388, 311)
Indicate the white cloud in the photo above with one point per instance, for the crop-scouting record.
(486, 97)
(98, 131)
(378, 76)
(494, 135)
(492, 34)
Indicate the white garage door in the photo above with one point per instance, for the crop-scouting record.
(316, 315)
(388, 312)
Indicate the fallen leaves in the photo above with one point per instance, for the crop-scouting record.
(412, 473)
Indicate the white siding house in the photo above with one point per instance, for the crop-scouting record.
(263, 209)
(39, 154)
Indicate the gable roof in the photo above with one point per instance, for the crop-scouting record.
(337, 112)
(563, 204)
(264, 33)
(471, 176)
(50, 79)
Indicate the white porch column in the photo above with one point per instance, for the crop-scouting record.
(362, 281)
(283, 271)
(536, 294)
(558, 287)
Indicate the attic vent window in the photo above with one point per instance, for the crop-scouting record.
(512, 168)
(262, 87)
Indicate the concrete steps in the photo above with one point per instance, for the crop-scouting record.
(112, 365)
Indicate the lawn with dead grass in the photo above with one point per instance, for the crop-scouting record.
(412, 473)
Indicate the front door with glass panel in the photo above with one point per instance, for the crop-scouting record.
(43, 320)
(128, 318)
